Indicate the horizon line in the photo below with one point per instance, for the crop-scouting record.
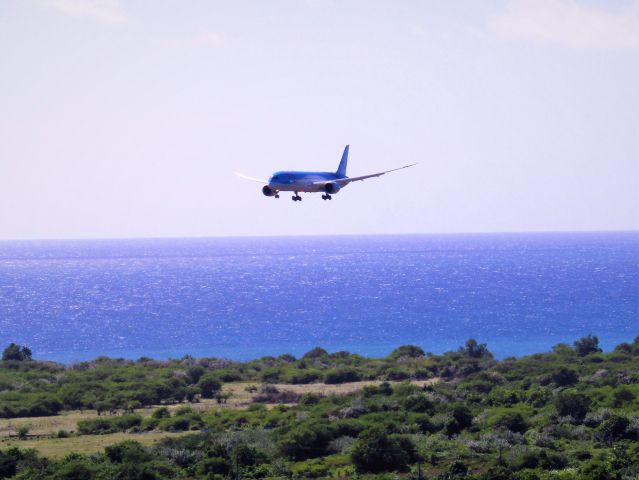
(323, 235)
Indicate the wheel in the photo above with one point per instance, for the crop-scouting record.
(330, 198)
(277, 196)
(294, 199)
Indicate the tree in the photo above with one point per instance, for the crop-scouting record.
(621, 396)
(209, 385)
(474, 350)
(513, 421)
(460, 419)
(574, 404)
(613, 429)
(341, 375)
(314, 353)
(376, 452)
(411, 351)
(565, 377)
(16, 352)
(587, 345)
(23, 431)
(306, 441)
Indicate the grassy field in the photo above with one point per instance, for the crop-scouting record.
(240, 398)
(43, 429)
(87, 444)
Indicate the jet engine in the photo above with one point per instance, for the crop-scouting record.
(268, 191)
(332, 188)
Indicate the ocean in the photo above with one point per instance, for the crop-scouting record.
(243, 298)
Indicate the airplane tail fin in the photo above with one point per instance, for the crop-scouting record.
(341, 170)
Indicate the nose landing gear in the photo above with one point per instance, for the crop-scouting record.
(296, 197)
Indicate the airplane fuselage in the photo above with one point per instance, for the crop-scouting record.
(289, 181)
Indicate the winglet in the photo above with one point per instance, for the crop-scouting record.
(341, 170)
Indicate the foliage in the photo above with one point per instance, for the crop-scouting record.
(575, 405)
(19, 353)
(548, 416)
(587, 345)
(209, 385)
(376, 452)
(411, 351)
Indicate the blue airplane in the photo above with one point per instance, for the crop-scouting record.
(306, 182)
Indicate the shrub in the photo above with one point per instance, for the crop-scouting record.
(314, 353)
(397, 374)
(99, 426)
(23, 431)
(621, 396)
(587, 345)
(376, 452)
(270, 394)
(576, 405)
(613, 429)
(474, 350)
(411, 351)
(418, 403)
(161, 412)
(513, 421)
(342, 375)
(306, 441)
(564, 377)
(305, 377)
(175, 424)
(209, 385)
(127, 452)
(214, 465)
(16, 352)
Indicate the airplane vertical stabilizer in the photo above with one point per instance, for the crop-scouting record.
(341, 170)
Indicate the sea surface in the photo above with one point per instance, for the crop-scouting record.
(243, 298)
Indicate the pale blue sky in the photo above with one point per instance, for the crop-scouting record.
(127, 119)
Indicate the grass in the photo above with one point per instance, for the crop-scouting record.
(86, 444)
(43, 429)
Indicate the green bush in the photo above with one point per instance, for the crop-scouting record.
(376, 452)
(576, 405)
(101, 426)
(587, 345)
(411, 351)
(342, 375)
(209, 385)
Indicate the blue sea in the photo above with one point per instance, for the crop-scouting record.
(243, 298)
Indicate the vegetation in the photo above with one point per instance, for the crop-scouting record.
(568, 414)
(15, 352)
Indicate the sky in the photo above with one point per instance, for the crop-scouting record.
(128, 118)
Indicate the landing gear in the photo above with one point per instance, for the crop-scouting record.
(326, 196)
(296, 197)
(277, 195)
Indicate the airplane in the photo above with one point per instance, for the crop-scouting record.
(307, 182)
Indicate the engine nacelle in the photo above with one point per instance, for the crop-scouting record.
(332, 188)
(268, 191)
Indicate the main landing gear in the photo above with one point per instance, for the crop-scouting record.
(326, 197)
(296, 197)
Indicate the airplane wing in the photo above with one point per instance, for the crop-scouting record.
(246, 177)
(345, 181)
